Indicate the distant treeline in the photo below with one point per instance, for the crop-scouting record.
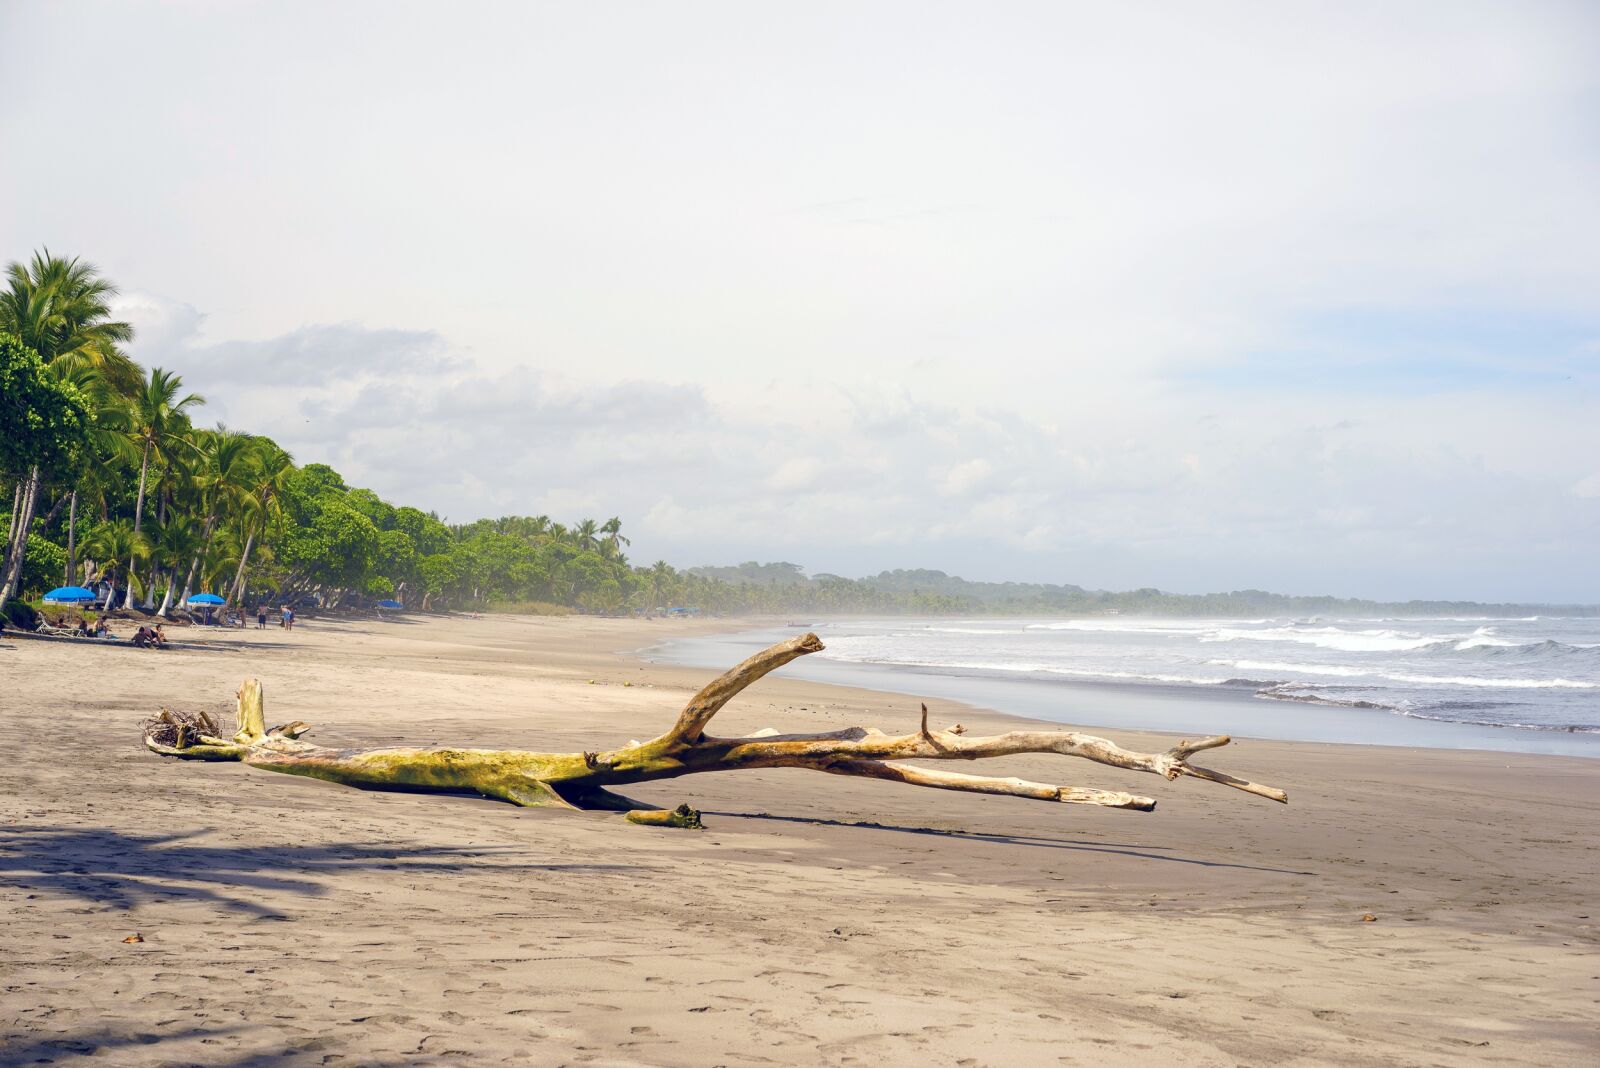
(783, 587)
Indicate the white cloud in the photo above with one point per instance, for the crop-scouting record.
(796, 474)
(966, 477)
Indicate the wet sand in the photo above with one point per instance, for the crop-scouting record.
(816, 920)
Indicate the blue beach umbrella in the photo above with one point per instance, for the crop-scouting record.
(205, 598)
(68, 595)
(390, 604)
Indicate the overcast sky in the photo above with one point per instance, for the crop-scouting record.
(1198, 296)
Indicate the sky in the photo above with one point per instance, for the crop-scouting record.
(1202, 296)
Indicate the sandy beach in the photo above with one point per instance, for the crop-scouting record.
(815, 920)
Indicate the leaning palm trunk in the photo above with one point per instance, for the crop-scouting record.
(16, 511)
(17, 549)
(582, 780)
(138, 519)
(237, 589)
(72, 541)
(49, 517)
(188, 582)
(194, 566)
(166, 599)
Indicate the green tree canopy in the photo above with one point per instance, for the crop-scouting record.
(44, 421)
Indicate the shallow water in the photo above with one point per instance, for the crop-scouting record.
(1516, 685)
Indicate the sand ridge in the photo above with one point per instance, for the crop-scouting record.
(817, 920)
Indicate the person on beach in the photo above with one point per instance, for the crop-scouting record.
(99, 628)
(288, 617)
(160, 637)
(261, 617)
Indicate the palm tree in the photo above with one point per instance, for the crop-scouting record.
(225, 457)
(176, 540)
(612, 529)
(111, 542)
(221, 559)
(269, 476)
(158, 417)
(583, 535)
(660, 577)
(61, 309)
(108, 440)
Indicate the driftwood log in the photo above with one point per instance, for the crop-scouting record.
(582, 780)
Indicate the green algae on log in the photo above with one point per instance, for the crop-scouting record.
(581, 780)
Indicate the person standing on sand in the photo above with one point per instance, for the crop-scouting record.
(261, 617)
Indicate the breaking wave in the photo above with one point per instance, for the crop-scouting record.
(1445, 712)
(1539, 673)
(1349, 641)
(1350, 672)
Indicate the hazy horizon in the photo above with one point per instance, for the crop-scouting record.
(813, 573)
(1284, 297)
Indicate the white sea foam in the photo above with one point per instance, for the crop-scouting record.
(1019, 667)
(1134, 675)
(1483, 638)
(1509, 684)
(1357, 641)
(1400, 676)
(1449, 619)
(1279, 668)
(1135, 626)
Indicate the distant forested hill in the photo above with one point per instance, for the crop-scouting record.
(786, 586)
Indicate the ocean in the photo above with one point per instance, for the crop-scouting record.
(1526, 684)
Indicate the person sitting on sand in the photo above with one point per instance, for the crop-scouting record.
(141, 637)
(82, 630)
(160, 637)
(99, 629)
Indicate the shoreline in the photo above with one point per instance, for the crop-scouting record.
(816, 920)
(1095, 704)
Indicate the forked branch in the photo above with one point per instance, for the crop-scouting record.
(725, 687)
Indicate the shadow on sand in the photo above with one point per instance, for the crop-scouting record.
(1121, 849)
(123, 870)
(104, 1044)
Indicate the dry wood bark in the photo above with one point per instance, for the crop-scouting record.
(582, 780)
